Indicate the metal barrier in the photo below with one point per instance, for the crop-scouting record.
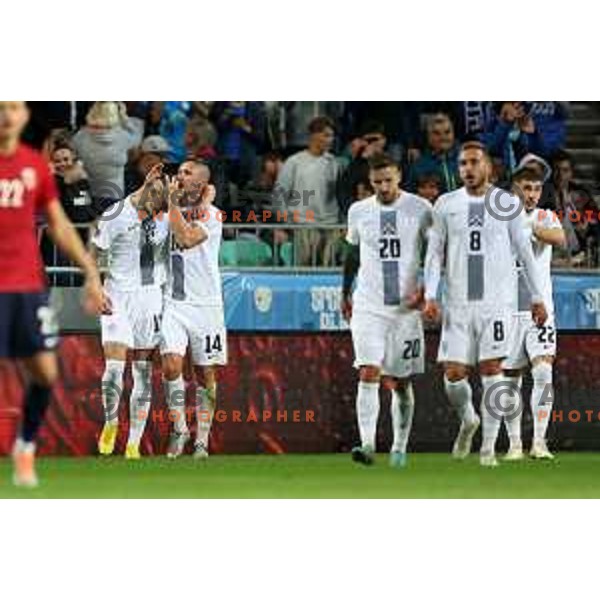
(262, 247)
(294, 247)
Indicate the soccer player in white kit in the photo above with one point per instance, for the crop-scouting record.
(386, 233)
(133, 240)
(533, 344)
(193, 314)
(475, 239)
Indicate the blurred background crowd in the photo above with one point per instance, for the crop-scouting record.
(264, 156)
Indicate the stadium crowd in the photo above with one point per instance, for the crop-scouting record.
(311, 157)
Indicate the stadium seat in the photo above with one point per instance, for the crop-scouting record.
(245, 253)
(286, 253)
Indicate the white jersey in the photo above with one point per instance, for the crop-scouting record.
(137, 248)
(194, 276)
(390, 238)
(477, 248)
(542, 254)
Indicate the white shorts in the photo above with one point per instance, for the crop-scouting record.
(471, 334)
(135, 319)
(530, 341)
(397, 344)
(200, 327)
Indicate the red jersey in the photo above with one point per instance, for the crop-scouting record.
(26, 189)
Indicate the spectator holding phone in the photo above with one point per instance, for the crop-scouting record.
(515, 129)
(354, 183)
(102, 144)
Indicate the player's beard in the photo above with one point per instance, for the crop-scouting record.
(478, 187)
(388, 199)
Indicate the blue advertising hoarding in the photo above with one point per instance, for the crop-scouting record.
(310, 302)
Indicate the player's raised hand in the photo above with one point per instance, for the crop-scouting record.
(174, 190)
(156, 172)
(346, 308)
(432, 311)
(539, 313)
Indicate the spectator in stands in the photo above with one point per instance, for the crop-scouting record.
(352, 150)
(201, 135)
(258, 194)
(72, 182)
(515, 129)
(307, 182)
(428, 186)
(103, 145)
(295, 118)
(579, 212)
(441, 156)
(154, 150)
(402, 122)
(354, 183)
(73, 188)
(174, 116)
(242, 128)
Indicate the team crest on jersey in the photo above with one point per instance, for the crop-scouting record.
(388, 224)
(29, 178)
(476, 211)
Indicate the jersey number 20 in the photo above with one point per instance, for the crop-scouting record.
(389, 248)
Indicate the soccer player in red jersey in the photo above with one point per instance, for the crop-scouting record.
(28, 329)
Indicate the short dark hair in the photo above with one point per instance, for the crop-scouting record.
(429, 177)
(320, 124)
(561, 156)
(63, 144)
(382, 161)
(372, 127)
(527, 174)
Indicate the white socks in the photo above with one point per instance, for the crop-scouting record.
(403, 408)
(367, 412)
(542, 398)
(205, 410)
(112, 389)
(175, 391)
(140, 400)
(491, 412)
(460, 396)
(514, 412)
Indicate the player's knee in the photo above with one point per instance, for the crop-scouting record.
(541, 371)
(489, 368)
(141, 372)
(172, 367)
(46, 377)
(455, 373)
(400, 385)
(512, 373)
(370, 374)
(43, 371)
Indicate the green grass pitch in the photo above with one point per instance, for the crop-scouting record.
(571, 475)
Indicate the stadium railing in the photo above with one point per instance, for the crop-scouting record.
(265, 247)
